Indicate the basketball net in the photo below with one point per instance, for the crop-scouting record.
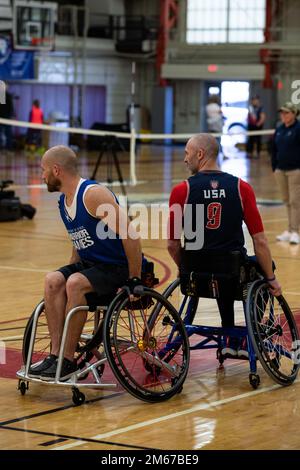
(43, 43)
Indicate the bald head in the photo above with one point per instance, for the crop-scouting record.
(201, 152)
(62, 156)
(59, 166)
(206, 142)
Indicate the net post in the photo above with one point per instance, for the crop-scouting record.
(133, 180)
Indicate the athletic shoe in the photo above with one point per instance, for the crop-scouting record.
(295, 238)
(284, 236)
(243, 349)
(36, 369)
(67, 370)
(231, 347)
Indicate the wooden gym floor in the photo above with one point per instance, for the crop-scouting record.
(215, 410)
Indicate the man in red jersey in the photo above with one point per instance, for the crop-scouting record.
(225, 201)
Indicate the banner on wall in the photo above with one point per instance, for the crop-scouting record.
(15, 65)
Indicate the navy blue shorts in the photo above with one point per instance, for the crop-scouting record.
(105, 278)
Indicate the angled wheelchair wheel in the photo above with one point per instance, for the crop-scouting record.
(186, 306)
(173, 294)
(146, 346)
(273, 332)
(42, 343)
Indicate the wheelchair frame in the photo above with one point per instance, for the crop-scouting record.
(214, 335)
(140, 341)
(23, 373)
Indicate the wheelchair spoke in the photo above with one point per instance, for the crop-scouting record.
(273, 333)
(151, 366)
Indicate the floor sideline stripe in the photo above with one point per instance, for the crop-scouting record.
(150, 422)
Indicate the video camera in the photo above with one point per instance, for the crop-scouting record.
(11, 207)
(6, 194)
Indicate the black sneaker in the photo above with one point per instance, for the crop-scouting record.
(36, 369)
(68, 368)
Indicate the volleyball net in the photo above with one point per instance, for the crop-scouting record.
(55, 132)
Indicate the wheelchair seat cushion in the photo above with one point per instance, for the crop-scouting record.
(209, 274)
(94, 300)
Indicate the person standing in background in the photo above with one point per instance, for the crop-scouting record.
(256, 119)
(36, 116)
(286, 165)
(215, 119)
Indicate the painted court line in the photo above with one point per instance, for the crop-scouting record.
(12, 338)
(15, 268)
(150, 422)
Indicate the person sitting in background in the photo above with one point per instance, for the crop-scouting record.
(286, 167)
(256, 119)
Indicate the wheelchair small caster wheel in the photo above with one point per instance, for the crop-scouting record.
(78, 397)
(220, 357)
(23, 387)
(254, 380)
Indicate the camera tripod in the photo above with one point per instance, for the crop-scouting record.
(110, 146)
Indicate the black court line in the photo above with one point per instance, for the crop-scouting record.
(76, 438)
(54, 441)
(55, 410)
(13, 321)
(13, 328)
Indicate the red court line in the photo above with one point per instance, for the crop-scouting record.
(200, 360)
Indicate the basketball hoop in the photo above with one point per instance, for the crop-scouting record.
(33, 25)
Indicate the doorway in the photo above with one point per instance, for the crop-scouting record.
(234, 99)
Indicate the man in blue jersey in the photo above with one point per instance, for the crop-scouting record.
(227, 202)
(99, 263)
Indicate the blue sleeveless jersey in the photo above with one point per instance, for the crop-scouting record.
(219, 194)
(83, 233)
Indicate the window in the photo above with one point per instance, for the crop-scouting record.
(225, 21)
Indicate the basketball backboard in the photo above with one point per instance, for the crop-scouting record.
(33, 25)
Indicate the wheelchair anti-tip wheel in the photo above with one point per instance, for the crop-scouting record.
(146, 345)
(273, 332)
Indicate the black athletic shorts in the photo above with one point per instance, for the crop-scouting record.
(105, 278)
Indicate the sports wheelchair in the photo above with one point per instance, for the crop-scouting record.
(271, 332)
(135, 336)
